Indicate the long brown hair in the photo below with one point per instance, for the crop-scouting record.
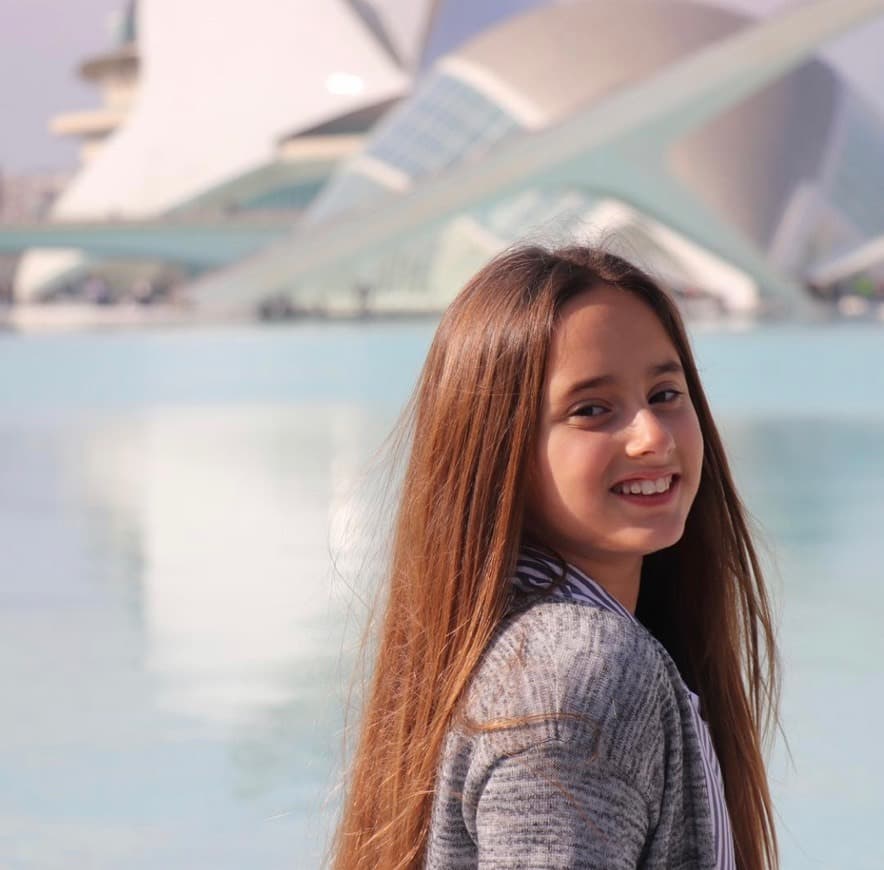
(472, 424)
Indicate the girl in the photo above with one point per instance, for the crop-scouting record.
(577, 659)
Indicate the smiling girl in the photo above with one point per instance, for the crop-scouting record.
(577, 661)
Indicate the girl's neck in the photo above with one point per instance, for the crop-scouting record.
(620, 579)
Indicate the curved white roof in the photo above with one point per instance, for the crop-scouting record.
(566, 55)
(221, 83)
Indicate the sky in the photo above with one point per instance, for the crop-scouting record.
(42, 42)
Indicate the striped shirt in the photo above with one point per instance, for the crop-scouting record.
(536, 570)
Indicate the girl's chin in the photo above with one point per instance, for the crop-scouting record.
(629, 542)
(643, 542)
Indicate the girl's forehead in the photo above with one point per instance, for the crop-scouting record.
(607, 322)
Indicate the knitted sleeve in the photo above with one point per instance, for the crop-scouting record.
(551, 807)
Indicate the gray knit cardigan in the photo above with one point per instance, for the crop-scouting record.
(605, 771)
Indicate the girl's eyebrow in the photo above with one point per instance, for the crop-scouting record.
(670, 367)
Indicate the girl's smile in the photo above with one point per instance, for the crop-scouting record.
(648, 491)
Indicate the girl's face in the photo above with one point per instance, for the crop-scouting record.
(615, 417)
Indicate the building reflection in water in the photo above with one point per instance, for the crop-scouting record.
(234, 510)
(254, 532)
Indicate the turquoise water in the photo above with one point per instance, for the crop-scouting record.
(180, 518)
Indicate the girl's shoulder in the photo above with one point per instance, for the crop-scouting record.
(589, 683)
(572, 667)
(548, 634)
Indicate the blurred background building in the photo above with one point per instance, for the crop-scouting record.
(231, 138)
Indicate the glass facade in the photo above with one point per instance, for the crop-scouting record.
(446, 121)
(450, 122)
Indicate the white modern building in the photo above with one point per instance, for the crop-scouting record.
(401, 144)
(237, 106)
(796, 168)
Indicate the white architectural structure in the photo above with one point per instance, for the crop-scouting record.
(729, 157)
(724, 133)
(222, 86)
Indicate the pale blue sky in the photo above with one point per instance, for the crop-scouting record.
(42, 43)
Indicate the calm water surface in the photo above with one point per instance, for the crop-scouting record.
(182, 519)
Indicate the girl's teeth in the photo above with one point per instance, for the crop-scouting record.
(646, 487)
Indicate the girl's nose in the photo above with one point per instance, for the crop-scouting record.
(648, 435)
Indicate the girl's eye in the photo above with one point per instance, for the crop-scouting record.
(666, 396)
(589, 411)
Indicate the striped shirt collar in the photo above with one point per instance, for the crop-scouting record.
(536, 570)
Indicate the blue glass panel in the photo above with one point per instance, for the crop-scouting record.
(445, 122)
